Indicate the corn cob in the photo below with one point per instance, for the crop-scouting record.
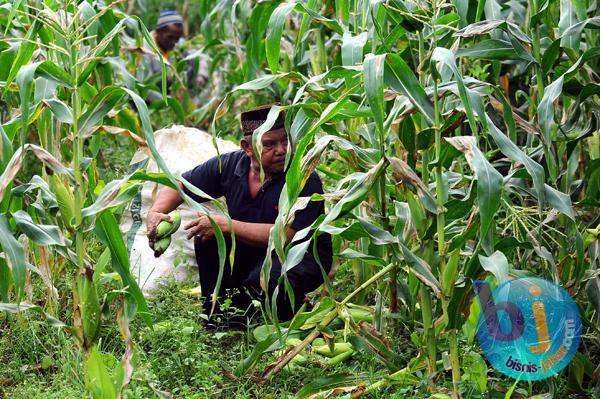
(339, 358)
(293, 341)
(161, 246)
(196, 291)
(339, 348)
(165, 228)
(359, 314)
(300, 359)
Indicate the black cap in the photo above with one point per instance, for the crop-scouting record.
(253, 119)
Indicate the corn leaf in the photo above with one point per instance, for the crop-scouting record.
(15, 256)
(373, 73)
(489, 182)
(41, 234)
(108, 232)
(400, 78)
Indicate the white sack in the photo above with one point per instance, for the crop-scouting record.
(182, 148)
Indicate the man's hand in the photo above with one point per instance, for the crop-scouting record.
(202, 227)
(152, 220)
(254, 234)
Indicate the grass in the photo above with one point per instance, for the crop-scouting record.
(177, 357)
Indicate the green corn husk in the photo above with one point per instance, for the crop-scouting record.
(176, 218)
(359, 314)
(450, 272)
(161, 246)
(339, 358)
(293, 342)
(339, 348)
(262, 332)
(165, 228)
(89, 307)
(64, 198)
(300, 359)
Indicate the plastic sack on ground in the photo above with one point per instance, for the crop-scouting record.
(182, 148)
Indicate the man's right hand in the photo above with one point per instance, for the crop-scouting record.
(152, 220)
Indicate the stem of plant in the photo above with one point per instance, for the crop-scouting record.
(77, 147)
(441, 223)
(383, 201)
(77, 158)
(426, 305)
(428, 328)
(539, 80)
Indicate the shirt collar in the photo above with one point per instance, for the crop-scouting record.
(243, 167)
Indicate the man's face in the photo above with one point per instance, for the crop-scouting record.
(167, 37)
(274, 149)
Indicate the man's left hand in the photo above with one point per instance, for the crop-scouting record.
(202, 227)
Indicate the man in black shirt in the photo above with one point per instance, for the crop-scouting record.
(252, 206)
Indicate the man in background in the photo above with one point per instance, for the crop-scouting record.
(167, 34)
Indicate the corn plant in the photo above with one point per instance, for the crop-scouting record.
(68, 79)
(63, 72)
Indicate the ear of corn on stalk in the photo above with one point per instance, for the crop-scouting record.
(64, 198)
(89, 307)
(449, 272)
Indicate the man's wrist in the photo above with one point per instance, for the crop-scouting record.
(224, 225)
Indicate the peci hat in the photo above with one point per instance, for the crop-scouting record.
(168, 17)
(253, 119)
